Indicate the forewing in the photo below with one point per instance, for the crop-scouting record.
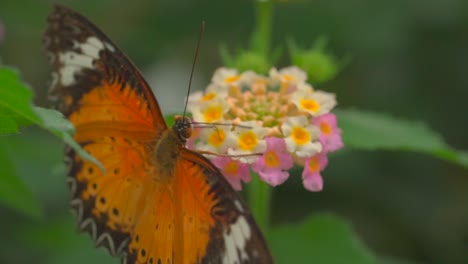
(85, 61)
(117, 120)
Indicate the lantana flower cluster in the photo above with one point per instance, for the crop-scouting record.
(265, 124)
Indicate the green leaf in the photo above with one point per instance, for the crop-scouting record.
(372, 131)
(16, 110)
(8, 125)
(170, 119)
(15, 102)
(13, 191)
(54, 121)
(58, 125)
(322, 239)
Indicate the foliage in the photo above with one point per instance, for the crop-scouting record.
(16, 111)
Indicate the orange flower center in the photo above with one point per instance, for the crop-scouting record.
(271, 159)
(212, 114)
(248, 141)
(232, 168)
(310, 105)
(300, 136)
(217, 138)
(232, 79)
(314, 165)
(288, 78)
(325, 128)
(208, 97)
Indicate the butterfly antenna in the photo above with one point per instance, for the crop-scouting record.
(202, 29)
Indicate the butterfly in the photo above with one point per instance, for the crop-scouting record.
(157, 202)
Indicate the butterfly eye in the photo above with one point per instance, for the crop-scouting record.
(183, 128)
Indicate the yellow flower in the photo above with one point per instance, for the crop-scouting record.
(301, 137)
(288, 78)
(249, 138)
(216, 139)
(210, 111)
(315, 103)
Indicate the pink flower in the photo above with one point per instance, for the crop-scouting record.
(275, 160)
(311, 177)
(233, 170)
(330, 134)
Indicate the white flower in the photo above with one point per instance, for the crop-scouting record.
(301, 136)
(210, 111)
(314, 103)
(217, 90)
(249, 77)
(193, 100)
(232, 81)
(305, 87)
(249, 139)
(216, 139)
(224, 76)
(289, 78)
(212, 92)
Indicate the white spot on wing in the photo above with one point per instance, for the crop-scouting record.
(76, 59)
(72, 184)
(89, 222)
(90, 50)
(235, 242)
(240, 240)
(231, 253)
(73, 62)
(95, 42)
(109, 47)
(110, 243)
(67, 74)
(238, 205)
(78, 205)
(244, 226)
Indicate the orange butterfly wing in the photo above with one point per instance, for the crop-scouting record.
(206, 212)
(156, 202)
(115, 116)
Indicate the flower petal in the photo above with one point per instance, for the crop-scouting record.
(313, 182)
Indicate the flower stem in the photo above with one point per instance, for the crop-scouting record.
(263, 30)
(259, 195)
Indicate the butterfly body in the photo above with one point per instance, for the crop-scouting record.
(166, 154)
(156, 202)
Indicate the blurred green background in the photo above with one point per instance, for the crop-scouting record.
(409, 59)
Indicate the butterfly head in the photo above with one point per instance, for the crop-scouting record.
(182, 127)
